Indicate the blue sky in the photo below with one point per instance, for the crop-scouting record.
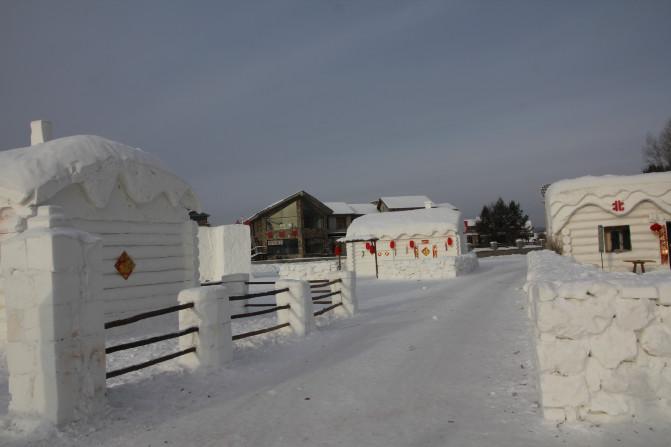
(463, 101)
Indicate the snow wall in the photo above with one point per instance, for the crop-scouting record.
(223, 250)
(603, 340)
(309, 270)
(434, 259)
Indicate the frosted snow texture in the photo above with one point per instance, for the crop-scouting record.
(425, 222)
(32, 175)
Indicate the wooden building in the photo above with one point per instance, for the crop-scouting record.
(342, 217)
(294, 227)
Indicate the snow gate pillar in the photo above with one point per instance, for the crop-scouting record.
(211, 315)
(300, 314)
(55, 334)
(236, 284)
(347, 295)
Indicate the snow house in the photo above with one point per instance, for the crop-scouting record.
(617, 220)
(416, 244)
(124, 196)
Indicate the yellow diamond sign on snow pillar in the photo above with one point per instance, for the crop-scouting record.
(124, 265)
(426, 251)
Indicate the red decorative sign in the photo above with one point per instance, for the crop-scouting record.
(283, 234)
(269, 235)
(618, 206)
(412, 244)
(655, 227)
(338, 250)
(450, 241)
(124, 265)
(392, 245)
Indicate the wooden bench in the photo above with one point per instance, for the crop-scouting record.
(638, 262)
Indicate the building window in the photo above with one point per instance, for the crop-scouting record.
(617, 239)
(281, 247)
(314, 246)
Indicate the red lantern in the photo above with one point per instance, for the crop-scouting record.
(372, 250)
(392, 245)
(412, 244)
(338, 250)
(269, 235)
(450, 241)
(368, 246)
(655, 227)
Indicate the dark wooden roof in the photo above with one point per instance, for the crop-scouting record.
(282, 203)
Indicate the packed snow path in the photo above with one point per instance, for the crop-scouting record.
(430, 363)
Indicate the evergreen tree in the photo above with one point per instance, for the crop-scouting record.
(502, 222)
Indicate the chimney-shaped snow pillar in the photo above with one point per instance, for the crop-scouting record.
(428, 204)
(40, 131)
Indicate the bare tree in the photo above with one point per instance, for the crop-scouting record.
(657, 151)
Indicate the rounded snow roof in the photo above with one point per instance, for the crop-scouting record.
(32, 175)
(396, 224)
(565, 197)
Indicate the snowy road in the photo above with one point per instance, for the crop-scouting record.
(423, 364)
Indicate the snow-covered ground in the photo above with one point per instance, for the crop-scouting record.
(424, 363)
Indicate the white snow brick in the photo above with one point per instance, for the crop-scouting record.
(554, 414)
(563, 356)
(656, 340)
(561, 391)
(664, 291)
(236, 285)
(56, 352)
(577, 290)
(595, 374)
(610, 404)
(663, 385)
(575, 318)
(639, 292)
(300, 314)
(347, 295)
(546, 291)
(614, 346)
(633, 314)
(211, 314)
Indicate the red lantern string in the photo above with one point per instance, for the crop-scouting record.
(655, 227)
(368, 246)
(392, 245)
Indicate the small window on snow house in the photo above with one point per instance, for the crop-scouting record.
(617, 239)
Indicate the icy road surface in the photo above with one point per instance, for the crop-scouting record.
(425, 363)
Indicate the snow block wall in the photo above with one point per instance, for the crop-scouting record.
(603, 340)
(223, 250)
(12, 222)
(448, 267)
(308, 270)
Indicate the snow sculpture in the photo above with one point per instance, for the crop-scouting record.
(418, 244)
(634, 212)
(88, 227)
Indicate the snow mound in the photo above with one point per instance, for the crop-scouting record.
(32, 175)
(393, 225)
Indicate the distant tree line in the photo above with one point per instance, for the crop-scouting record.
(657, 151)
(502, 222)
